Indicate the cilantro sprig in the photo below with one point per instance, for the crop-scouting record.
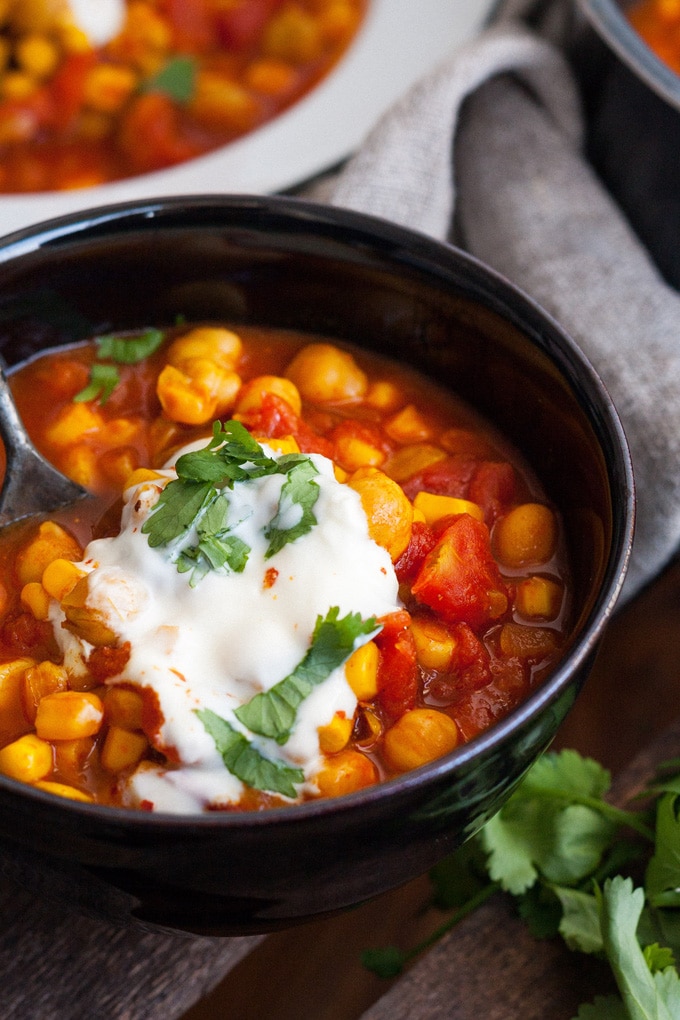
(196, 500)
(245, 762)
(571, 860)
(273, 713)
(114, 350)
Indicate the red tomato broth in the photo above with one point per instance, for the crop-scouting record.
(99, 116)
(449, 578)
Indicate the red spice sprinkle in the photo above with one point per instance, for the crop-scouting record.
(270, 577)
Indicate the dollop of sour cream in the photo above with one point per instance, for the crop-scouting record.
(100, 20)
(232, 635)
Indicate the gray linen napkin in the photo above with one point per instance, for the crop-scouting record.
(493, 139)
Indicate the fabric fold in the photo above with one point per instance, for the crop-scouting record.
(488, 150)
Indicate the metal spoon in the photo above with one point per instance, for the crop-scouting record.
(31, 485)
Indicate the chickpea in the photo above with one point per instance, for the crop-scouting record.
(325, 374)
(528, 534)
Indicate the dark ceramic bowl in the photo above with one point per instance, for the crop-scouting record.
(284, 263)
(633, 105)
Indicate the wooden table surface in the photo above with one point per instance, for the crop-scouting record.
(314, 972)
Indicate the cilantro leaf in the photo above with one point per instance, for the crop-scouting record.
(644, 997)
(121, 350)
(272, 713)
(384, 961)
(176, 511)
(129, 350)
(555, 824)
(245, 762)
(580, 923)
(216, 548)
(294, 516)
(103, 381)
(662, 880)
(604, 1007)
(232, 455)
(176, 79)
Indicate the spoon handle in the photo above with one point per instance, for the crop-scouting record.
(31, 484)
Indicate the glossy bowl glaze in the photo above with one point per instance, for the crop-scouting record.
(284, 263)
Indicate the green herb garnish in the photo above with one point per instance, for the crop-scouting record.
(216, 547)
(272, 713)
(196, 500)
(294, 516)
(176, 79)
(102, 382)
(245, 762)
(568, 858)
(113, 350)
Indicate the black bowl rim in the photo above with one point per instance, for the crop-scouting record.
(419, 247)
(609, 20)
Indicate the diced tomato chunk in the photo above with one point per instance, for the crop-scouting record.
(492, 487)
(423, 539)
(448, 477)
(459, 578)
(397, 667)
(238, 27)
(275, 418)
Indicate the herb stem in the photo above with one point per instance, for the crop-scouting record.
(629, 819)
(480, 897)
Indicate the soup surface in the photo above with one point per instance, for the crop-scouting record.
(658, 23)
(176, 79)
(306, 569)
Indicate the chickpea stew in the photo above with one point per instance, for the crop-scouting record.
(176, 79)
(307, 569)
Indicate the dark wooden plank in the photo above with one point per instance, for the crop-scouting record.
(59, 965)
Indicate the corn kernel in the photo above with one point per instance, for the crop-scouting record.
(353, 452)
(122, 749)
(34, 598)
(72, 423)
(51, 542)
(335, 734)
(408, 426)
(408, 460)
(539, 597)
(383, 395)
(39, 680)
(80, 464)
(18, 85)
(13, 720)
(60, 577)
(368, 729)
(70, 759)
(361, 671)
(434, 644)
(434, 507)
(62, 790)
(281, 446)
(67, 715)
(140, 475)
(37, 55)
(124, 708)
(221, 102)
(109, 86)
(29, 759)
